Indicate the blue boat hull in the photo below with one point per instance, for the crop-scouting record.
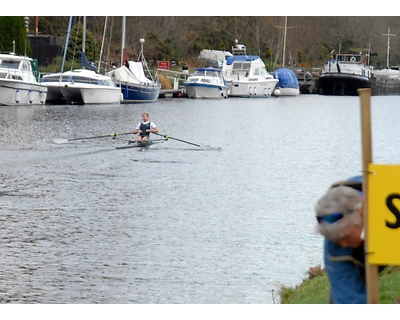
(139, 93)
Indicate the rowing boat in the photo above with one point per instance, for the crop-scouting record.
(141, 144)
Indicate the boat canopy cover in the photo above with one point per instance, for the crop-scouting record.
(286, 77)
(134, 74)
(230, 60)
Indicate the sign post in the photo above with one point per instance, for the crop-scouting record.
(371, 271)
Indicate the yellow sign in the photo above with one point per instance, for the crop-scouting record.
(383, 214)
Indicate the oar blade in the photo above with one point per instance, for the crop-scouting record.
(60, 141)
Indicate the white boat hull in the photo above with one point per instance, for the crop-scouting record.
(252, 89)
(82, 87)
(108, 95)
(15, 92)
(197, 90)
(289, 91)
(90, 94)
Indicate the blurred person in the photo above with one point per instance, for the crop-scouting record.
(339, 214)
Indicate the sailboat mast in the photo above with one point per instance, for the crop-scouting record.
(84, 35)
(123, 39)
(102, 44)
(66, 44)
(284, 43)
(388, 46)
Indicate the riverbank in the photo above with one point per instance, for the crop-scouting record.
(315, 288)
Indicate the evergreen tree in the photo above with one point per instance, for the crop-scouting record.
(75, 45)
(14, 29)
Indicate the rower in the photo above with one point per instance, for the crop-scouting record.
(144, 128)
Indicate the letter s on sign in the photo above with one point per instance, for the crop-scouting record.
(394, 210)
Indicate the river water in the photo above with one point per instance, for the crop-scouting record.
(228, 222)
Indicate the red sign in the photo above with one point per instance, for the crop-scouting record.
(163, 65)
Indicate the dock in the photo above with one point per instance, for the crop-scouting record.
(307, 81)
(171, 93)
(178, 78)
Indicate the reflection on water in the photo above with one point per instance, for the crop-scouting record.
(82, 222)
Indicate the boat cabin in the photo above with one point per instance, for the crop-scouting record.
(206, 75)
(16, 68)
(348, 63)
(351, 58)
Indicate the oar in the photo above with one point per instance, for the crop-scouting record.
(112, 135)
(169, 137)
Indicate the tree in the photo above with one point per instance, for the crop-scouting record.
(75, 44)
(13, 33)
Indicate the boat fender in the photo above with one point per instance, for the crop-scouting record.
(17, 96)
(30, 96)
(42, 97)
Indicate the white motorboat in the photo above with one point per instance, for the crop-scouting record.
(18, 82)
(206, 83)
(246, 75)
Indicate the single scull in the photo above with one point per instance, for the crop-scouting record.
(141, 144)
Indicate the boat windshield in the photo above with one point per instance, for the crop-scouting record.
(199, 73)
(212, 74)
(12, 64)
(260, 71)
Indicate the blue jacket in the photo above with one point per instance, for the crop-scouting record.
(346, 272)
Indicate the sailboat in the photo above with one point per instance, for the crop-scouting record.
(81, 86)
(131, 79)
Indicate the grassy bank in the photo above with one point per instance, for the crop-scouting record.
(314, 289)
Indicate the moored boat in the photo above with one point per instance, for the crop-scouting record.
(288, 84)
(345, 74)
(81, 86)
(246, 75)
(19, 81)
(206, 83)
(386, 82)
(131, 79)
